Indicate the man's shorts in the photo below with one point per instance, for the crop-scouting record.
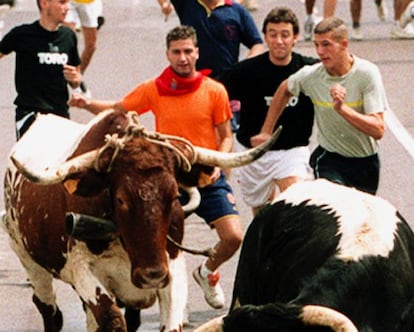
(361, 173)
(85, 13)
(217, 201)
(257, 180)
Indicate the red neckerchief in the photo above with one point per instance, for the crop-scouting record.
(171, 84)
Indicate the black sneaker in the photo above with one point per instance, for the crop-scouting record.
(85, 91)
(11, 3)
(101, 21)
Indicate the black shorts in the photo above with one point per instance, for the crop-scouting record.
(361, 173)
(25, 117)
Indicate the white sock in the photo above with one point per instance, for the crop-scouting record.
(204, 270)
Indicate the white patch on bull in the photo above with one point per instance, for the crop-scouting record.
(367, 223)
(29, 150)
(111, 272)
(174, 295)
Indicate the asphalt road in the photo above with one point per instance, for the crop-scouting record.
(131, 49)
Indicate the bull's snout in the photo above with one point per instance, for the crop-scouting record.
(151, 277)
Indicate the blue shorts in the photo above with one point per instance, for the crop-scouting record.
(217, 201)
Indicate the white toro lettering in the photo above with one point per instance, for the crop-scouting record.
(293, 101)
(52, 58)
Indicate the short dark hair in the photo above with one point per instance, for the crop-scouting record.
(332, 24)
(282, 15)
(181, 32)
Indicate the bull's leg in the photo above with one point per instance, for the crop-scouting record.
(44, 296)
(98, 301)
(173, 298)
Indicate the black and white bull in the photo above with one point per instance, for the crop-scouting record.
(324, 257)
(118, 171)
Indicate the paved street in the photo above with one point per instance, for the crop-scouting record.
(131, 49)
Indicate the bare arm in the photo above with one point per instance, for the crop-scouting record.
(1, 55)
(72, 75)
(94, 106)
(255, 50)
(166, 8)
(278, 104)
(370, 124)
(225, 136)
(225, 144)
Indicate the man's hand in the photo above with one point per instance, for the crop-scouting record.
(259, 139)
(72, 75)
(78, 100)
(338, 94)
(166, 8)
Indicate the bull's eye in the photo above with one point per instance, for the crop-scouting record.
(120, 201)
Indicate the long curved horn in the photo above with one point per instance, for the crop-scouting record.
(55, 175)
(234, 159)
(194, 200)
(323, 316)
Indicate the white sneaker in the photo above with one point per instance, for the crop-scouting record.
(407, 16)
(308, 27)
(3, 219)
(250, 5)
(356, 34)
(212, 291)
(402, 33)
(382, 11)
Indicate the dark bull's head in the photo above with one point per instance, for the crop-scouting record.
(139, 170)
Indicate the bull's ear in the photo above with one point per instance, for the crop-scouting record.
(87, 185)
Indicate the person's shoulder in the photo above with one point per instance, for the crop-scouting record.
(364, 63)
(66, 30)
(304, 59)
(250, 62)
(25, 27)
(212, 84)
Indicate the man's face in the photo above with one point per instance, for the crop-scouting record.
(182, 55)
(280, 40)
(329, 50)
(56, 10)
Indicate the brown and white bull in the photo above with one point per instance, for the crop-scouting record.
(117, 171)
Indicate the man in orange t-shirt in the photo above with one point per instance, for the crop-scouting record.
(187, 103)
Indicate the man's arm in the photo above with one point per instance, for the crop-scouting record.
(225, 136)
(166, 8)
(279, 101)
(72, 75)
(94, 106)
(370, 124)
(255, 50)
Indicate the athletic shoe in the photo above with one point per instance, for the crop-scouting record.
(85, 91)
(382, 11)
(356, 34)
(308, 27)
(11, 3)
(407, 16)
(250, 5)
(101, 21)
(3, 219)
(402, 33)
(212, 291)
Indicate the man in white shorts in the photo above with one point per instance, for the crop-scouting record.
(87, 13)
(253, 82)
